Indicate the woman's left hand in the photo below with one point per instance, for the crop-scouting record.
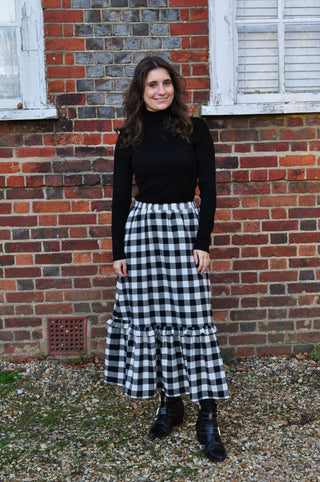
(202, 260)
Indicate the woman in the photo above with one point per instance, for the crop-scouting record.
(161, 336)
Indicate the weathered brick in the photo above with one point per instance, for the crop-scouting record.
(63, 16)
(256, 162)
(308, 225)
(247, 265)
(312, 337)
(22, 221)
(106, 112)
(6, 335)
(122, 30)
(301, 238)
(295, 160)
(51, 206)
(54, 309)
(248, 289)
(306, 275)
(80, 283)
(100, 85)
(22, 335)
(94, 44)
(70, 166)
(58, 173)
(84, 192)
(140, 29)
(79, 270)
(74, 219)
(274, 350)
(33, 272)
(15, 181)
(61, 44)
(55, 258)
(92, 16)
(80, 245)
(253, 188)
(138, 3)
(51, 271)
(304, 262)
(15, 350)
(248, 339)
(22, 247)
(277, 301)
(9, 167)
(22, 322)
(47, 233)
(159, 29)
(131, 15)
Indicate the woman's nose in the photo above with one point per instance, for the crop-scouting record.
(161, 89)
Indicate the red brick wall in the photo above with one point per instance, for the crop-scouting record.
(266, 276)
(56, 180)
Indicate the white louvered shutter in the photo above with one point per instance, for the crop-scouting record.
(23, 92)
(264, 57)
(9, 58)
(278, 46)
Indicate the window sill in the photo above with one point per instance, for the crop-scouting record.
(28, 114)
(263, 108)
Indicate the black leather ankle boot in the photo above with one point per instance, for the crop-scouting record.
(170, 413)
(208, 434)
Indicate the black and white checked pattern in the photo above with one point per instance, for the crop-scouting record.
(161, 335)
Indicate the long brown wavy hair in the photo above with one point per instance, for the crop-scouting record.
(179, 123)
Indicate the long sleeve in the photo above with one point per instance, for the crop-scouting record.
(166, 169)
(204, 148)
(121, 201)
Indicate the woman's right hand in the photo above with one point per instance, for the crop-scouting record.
(120, 267)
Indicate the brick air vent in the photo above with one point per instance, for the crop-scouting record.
(67, 336)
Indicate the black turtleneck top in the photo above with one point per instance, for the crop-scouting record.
(166, 170)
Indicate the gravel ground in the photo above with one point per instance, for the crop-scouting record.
(59, 422)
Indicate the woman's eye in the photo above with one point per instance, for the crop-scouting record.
(153, 84)
(167, 82)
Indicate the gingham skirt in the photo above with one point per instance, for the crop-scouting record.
(161, 335)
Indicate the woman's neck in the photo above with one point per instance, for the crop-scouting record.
(156, 116)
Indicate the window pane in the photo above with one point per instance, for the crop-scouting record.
(7, 11)
(298, 8)
(258, 59)
(9, 70)
(252, 9)
(302, 58)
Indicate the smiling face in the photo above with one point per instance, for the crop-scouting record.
(158, 90)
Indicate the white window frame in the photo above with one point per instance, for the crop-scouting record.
(32, 103)
(224, 99)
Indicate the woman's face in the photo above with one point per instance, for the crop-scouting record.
(158, 90)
